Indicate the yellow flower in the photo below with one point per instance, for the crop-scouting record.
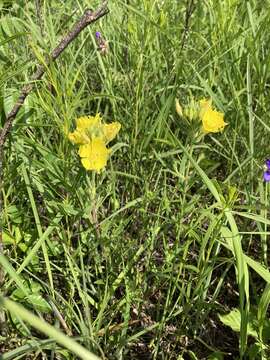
(92, 136)
(79, 137)
(212, 120)
(90, 127)
(87, 128)
(110, 131)
(205, 105)
(94, 155)
(86, 122)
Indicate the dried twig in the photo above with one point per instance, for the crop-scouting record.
(59, 316)
(88, 17)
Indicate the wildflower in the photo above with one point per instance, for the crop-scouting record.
(87, 128)
(78, 137)
(212, 120)
(110, 131)
(92, 136)
(204, 105)
(102, 43)
(178, 108)
(88, 121)
(266, 174)
(94, 155)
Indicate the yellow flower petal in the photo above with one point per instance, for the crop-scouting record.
(78, 137)
(204, 106)
(110, 131)
(92, 136)
(94, 155)
(205, 103)
(86, 122)
(213, 121)
(178, 108)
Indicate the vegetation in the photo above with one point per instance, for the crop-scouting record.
(163, 254)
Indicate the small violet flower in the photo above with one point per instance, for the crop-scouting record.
(103, 46)
(266, 174)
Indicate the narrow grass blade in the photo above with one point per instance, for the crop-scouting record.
(47, 329)
(242, 270)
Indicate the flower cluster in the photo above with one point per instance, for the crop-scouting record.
(92, 136)
(266, 174)
(212, 120)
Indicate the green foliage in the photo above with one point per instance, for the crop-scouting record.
(255, 328)
(233, 319)
(139, 260)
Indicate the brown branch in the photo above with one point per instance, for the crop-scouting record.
(88, 18)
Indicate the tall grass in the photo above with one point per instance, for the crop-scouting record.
(140, 260)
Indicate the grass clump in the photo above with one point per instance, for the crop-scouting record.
(163, 252)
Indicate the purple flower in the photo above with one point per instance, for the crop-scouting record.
(266, 175)
(98, 34)
(267, 163)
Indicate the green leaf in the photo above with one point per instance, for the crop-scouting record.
(8, 239)
(14, 214)
(38, 302)
(47, 329)
(216, 356)
(262, 309)
(233, 320)
(20, 325)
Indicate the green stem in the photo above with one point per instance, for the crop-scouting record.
(42, 326)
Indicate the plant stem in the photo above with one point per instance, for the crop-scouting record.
(88, 18)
